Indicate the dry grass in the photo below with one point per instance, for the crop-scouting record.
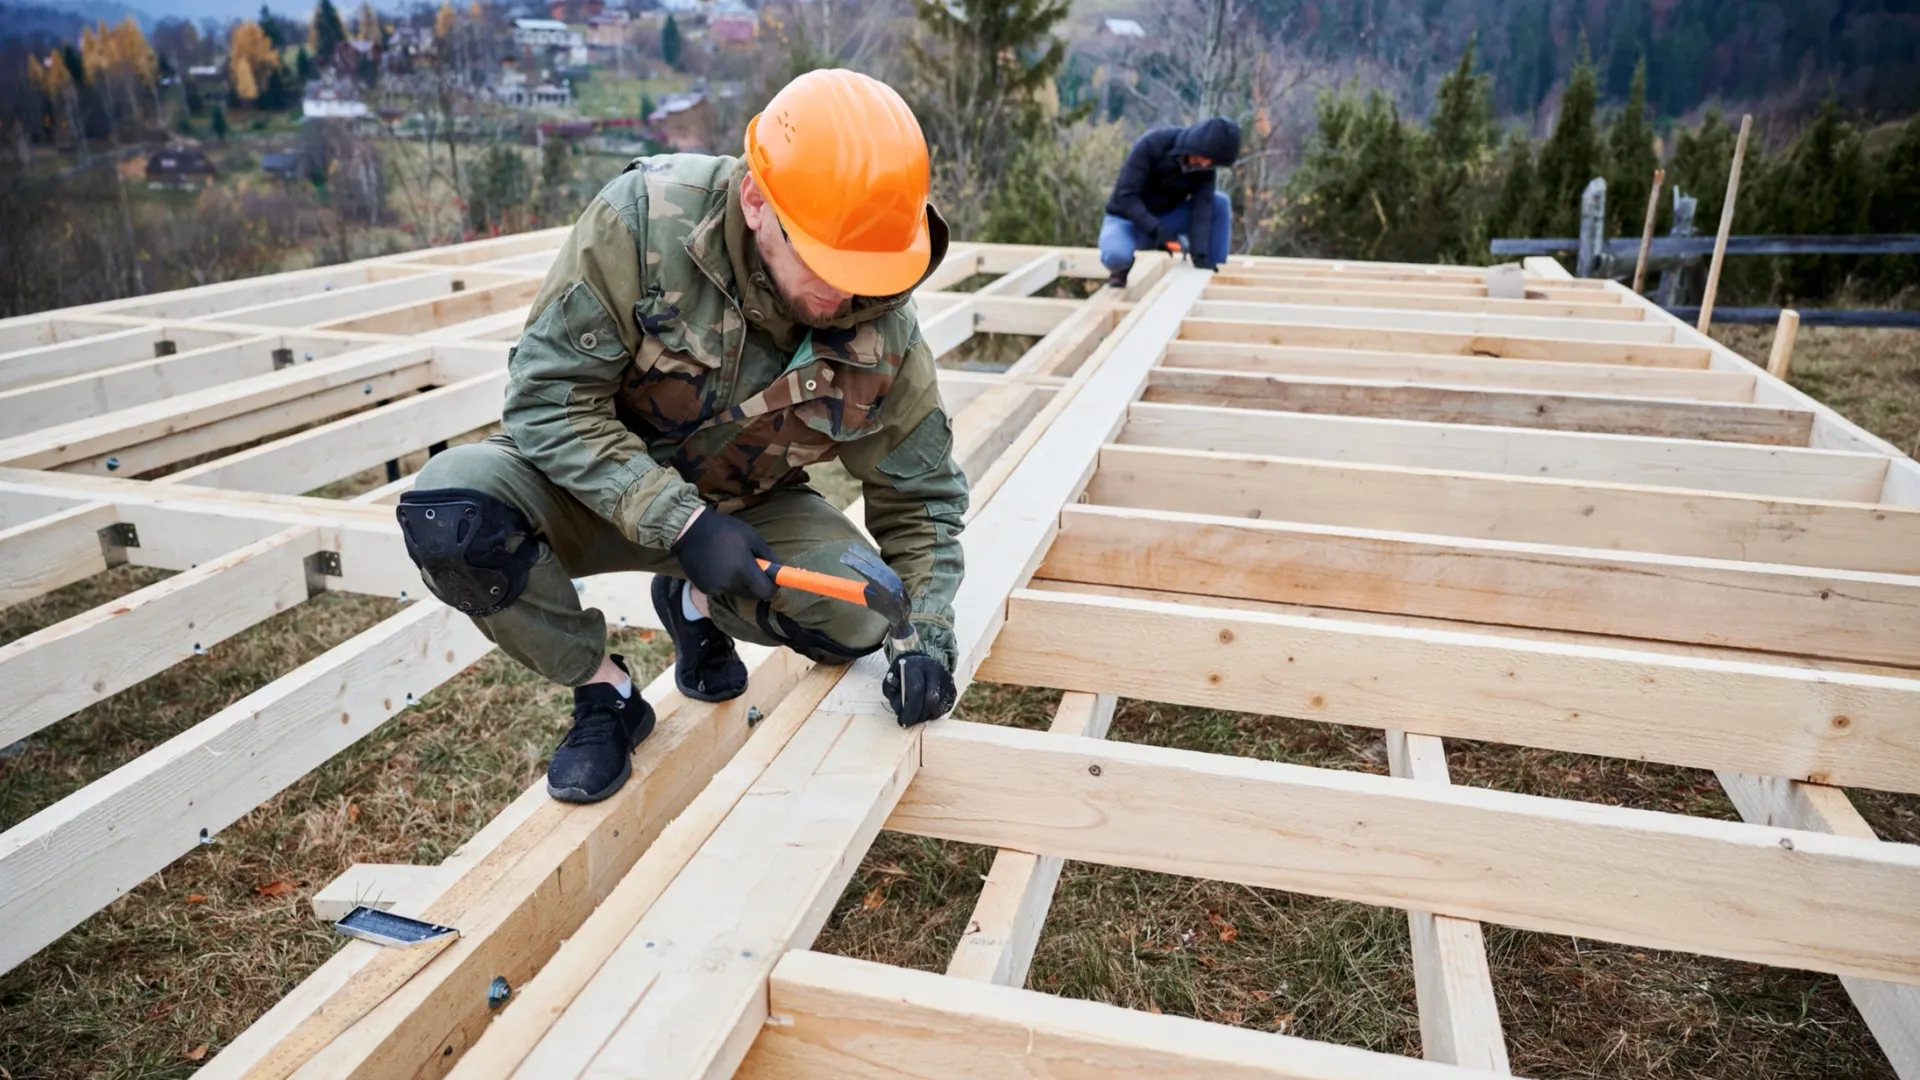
(196, 953)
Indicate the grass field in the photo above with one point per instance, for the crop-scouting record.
(152, 986)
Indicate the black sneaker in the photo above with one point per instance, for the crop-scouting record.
(1118, 279)
(705, 667)
(596, 757)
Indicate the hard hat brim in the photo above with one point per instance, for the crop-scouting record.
(865, 273)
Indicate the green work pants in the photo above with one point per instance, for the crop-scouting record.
(546, 629)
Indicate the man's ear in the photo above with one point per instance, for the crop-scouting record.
(753, 204)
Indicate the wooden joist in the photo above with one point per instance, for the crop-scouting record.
(1460, 343)
(1676, 418)
(1854, 728)
(42, 555)
(1665, 881)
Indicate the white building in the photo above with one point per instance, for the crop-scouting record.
(544, 34)
(325, 101)
(1122, 28)
(513, 89)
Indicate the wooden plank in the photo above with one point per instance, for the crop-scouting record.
(1891, 1010)
(1790, 472)
(381, 886)
(79, 397)
(1511, 346)
(1841, 614)
(425, 315)
(961, 263)
(1675, 418)
(949, 329)
(1707, 525)
(334, 306)
(1664, 881)
(686, 992)
(838, 1018)
(1237, 283)
(402, 1016)
(57, 671)
(1700, 385)
(1030, 315)
(1006, 922)
(73, 858)
(1459, 1018)
(205, 301)
(1611, 311)
(52, 552)
(321, 455)
(1030, 277)
(1610, 331)
(1854, 728)
(83, 440)
(109, 346)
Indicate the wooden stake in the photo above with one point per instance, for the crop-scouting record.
(1646, 235)
(1726, 225)
(1782, 356)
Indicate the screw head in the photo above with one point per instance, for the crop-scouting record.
(498, 992)
(113, 463)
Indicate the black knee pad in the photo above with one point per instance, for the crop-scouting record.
(811, 644)
(458, 538)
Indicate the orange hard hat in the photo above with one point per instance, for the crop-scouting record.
(841, 160)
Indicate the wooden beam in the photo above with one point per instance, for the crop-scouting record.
(1707, 525)
(836, 1018)
(52, 552)
(1488, 371)
(1663, 881)
(1609, 331)
(57, 671)
(426, 315)
(961, 263)
(1413, 301)
(381, 886)
(1511, 346)
(687, 990)
(1840, 614)
(105, 347)
(78, 855)
(1891, 1010)
(1237, 283)
(321, 455)
(1459, 1018)
(337, 305)
(1006, 922)
(366, 372)
(949, 329)
(1030, 315)
(1790, 472)
(1674, 418)
(1030, 277)
(1781, 719)
(205, 301)
(401, 1015)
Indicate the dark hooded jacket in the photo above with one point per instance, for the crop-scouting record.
(1155, 180)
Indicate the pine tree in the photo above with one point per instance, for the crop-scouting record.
(328, 32)
(275, 33)
(1896, 205)
(1823, 189)
(219, 122)
(1357, 192)
(1459, 143)
(1515, 202)
(1630, 161)
(670, 42)
(1568, 161)
(1702, 157)
(983, 86)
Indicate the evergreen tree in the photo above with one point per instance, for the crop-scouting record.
(219, 122)
(1460, 144)
(1702, 157)
(1630, 161)
(303, 65)
(1510, 209)
(497, 186)
(328, 32)
(984, 82)
(276, 34)
(1357, 192)
(670, 42)
(1820, 187)
(1896, 205)
(1569, 159)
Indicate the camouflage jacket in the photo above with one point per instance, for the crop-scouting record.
(659, 371)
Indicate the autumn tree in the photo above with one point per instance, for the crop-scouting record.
(251, 59)
(118, 61)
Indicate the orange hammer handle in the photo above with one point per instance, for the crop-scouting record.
(792, 577)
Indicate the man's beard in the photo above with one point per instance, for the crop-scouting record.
(796, 308)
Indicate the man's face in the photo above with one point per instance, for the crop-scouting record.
(808, 298)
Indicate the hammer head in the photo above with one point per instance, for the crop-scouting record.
(885, 592)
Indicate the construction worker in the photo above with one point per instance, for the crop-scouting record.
(1166, 191)
(712, 326)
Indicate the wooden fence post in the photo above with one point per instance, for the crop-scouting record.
(1726, 225)
(1646, 234)
(1783, 335)
(1593, 227)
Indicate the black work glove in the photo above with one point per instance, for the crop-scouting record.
(918, 687)
(1156, 240)
(1202, 262)
(718, 552)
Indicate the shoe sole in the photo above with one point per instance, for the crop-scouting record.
(578, 795)
(669, 617)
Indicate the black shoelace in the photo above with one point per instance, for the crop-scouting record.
(597, 723)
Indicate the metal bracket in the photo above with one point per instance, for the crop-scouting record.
(115, 539)
(459, 285)
(282, 358)
(321, 565)
(165, 347)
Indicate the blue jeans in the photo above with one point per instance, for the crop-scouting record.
(1119, 238)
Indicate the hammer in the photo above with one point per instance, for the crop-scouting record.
(882, 592)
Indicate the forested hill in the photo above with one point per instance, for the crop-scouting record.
(1785, 52)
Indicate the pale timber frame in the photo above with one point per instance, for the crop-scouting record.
(1467, 478)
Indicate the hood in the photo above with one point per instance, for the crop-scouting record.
(1216, 139)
